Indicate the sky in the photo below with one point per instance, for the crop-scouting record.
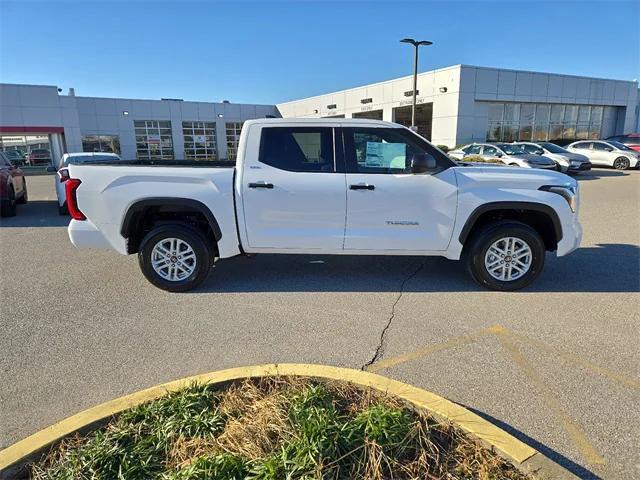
(269, 52)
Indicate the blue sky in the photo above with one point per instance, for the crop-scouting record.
(270, 52)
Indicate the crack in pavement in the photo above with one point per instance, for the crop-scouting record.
(379, 349)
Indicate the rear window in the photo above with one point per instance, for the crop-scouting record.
(298, 149)
(89, 158)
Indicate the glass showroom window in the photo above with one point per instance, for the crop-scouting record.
(233, 137)
(508, 122)
(153, 140)
(200, 141)
(101, 143)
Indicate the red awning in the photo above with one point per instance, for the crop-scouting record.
(27, 130)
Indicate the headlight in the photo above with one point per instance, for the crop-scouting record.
(567, 191)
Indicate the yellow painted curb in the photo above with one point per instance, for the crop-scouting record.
(505, 444)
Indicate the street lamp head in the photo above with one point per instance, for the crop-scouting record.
(416, 43)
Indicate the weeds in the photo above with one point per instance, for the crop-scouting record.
(281, 428)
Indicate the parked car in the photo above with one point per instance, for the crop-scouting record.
(16, 157)
(39, 156)
(607, 153)
(321, 186)
(507, 153)
(566, 161)
(63, 172)
(631, 140)
(13, 187)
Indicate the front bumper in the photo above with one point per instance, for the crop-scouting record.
(583, 167)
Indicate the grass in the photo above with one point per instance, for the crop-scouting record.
(277, 428)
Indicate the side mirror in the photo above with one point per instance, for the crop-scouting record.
(498, 154)
(539, 152)
(608, 149)
(51, 169)
(421, 163)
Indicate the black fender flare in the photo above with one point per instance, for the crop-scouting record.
(130, 218)
(521, 206)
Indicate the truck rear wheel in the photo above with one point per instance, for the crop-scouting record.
(505, 255)
(175, 258)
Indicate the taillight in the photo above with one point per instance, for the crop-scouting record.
(63, 173)
(70, 187)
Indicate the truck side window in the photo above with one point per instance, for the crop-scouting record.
(382, 150)
(297, 149)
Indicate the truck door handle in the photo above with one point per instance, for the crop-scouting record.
(261, 185)
(362, 186)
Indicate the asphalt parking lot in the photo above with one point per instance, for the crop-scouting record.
(558, 364)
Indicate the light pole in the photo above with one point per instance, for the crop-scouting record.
(416, 44)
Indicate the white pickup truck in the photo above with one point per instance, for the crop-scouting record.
(325, 186)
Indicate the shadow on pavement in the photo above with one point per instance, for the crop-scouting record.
(604, 268)
(37, 213)
(600, 173)
(578, 470)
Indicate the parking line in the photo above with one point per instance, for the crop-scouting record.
(421, 352)
(611, 375)
(579, 438)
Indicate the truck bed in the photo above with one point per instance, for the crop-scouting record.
(109, 190)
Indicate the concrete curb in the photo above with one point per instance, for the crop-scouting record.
(14, 458)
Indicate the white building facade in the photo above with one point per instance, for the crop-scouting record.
(167, 129)
(462, 104)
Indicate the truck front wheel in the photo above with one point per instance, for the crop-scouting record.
(174, 258)
(505, 255)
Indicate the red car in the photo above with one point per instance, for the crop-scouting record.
(13, 187)
(631, 140)
(39, 156)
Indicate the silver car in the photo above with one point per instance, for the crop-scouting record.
(506, 153)
(607, 153)
(568, 162)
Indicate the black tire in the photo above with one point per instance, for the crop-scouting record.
(621, 163)
(514, 165)
(25, 196)
(197, 242)
(480, 242)
(8, 205)
(63, 210)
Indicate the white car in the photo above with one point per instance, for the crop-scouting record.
(325, 186)
(568, 162)
(63, 172)
(607, 153)
(507, 153)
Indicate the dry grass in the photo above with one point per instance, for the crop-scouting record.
(273, 429)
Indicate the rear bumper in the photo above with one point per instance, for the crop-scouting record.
(84, 234)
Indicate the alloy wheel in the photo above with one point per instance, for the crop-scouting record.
(508, 259)
(173, 259)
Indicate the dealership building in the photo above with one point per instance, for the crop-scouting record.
(455, 105)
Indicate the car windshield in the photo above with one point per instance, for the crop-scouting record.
(511, 148)
(552, 147)
(620, 146)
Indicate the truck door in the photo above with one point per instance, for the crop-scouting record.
(293, 190)
(389, 208)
